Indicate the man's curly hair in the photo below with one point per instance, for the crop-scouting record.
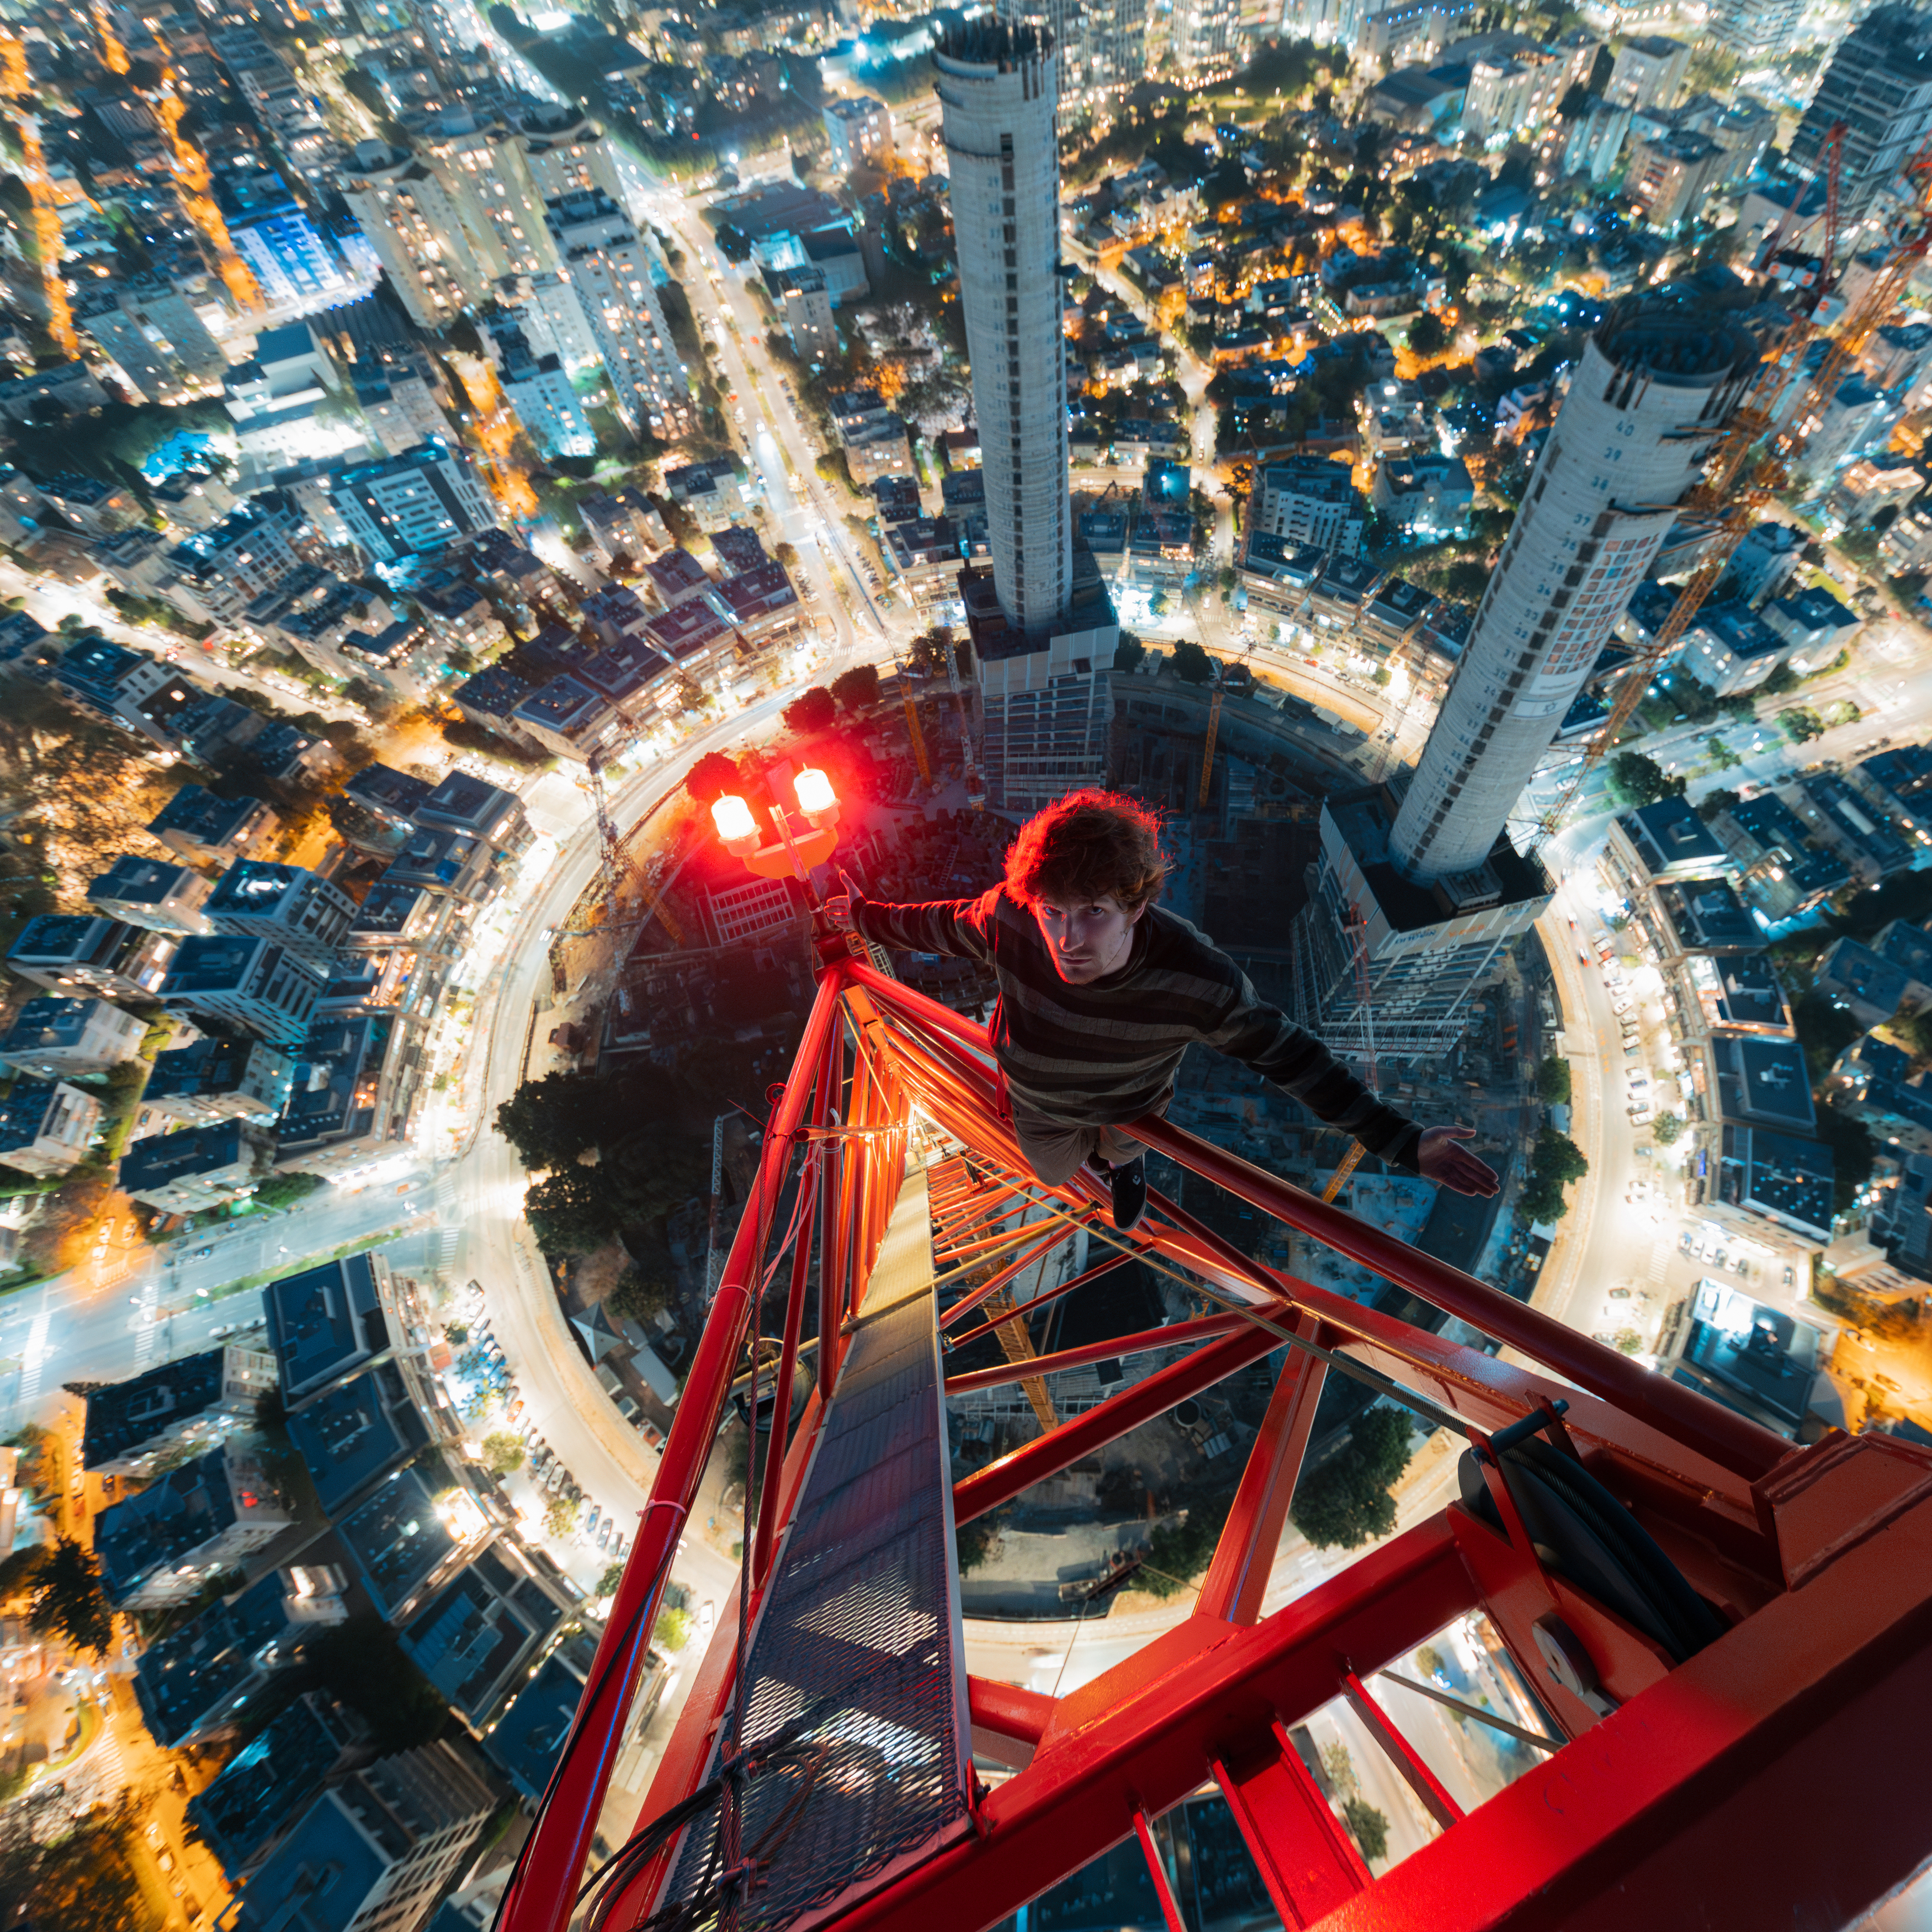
(1088, 845)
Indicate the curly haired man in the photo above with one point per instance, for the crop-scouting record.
(1103, 990)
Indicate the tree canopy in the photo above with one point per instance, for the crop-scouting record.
(569, 1213)
(811, 711)
(1345, 1502)
(711, 777)
(1427, 334)
(1192, 663)
(80, 1882)
(68, 1602)
(857, 689)
(551, 1121)
(1552, 1080)
(1636, 779)
(1555, 1161)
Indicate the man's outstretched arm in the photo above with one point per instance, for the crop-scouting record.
(1264, 1038)
(959, 928)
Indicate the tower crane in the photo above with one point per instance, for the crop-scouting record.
(1737, 486)
(1207, 750)
(913, 730)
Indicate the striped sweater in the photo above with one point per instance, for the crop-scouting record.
(1107, 1052)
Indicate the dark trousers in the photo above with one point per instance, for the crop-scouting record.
(1055, 1151)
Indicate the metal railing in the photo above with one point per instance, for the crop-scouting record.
(878, 1063)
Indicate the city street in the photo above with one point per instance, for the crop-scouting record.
(72, 1328)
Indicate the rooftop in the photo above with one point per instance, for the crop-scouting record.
(135, 881)
(1672, 841)
(123, 1415)
(263, 1786)
(324, 1320)
(350, 1436)
(1763, 1082)
(396, 1538)
(1708, 916)
(153, 1530)
(194, 1671)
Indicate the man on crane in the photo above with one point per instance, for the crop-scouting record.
(1102, 991)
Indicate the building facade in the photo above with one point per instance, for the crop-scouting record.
(998, 90)
(1599, 505)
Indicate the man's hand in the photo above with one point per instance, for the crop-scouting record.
(839, 910)
(1440, 1160)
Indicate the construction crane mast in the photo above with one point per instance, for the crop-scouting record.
(1736, 487)
(617, 865)
(15, 84)
(1207, 750)
(912, 731)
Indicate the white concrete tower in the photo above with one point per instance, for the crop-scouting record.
(1656, 384)
(997, 93)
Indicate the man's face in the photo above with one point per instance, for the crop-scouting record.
(1088, 938)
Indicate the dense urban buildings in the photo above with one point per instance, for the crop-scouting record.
(427, 431)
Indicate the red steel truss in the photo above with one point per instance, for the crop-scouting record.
(1764, 1780)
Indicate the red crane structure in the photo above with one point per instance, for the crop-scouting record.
(1725, 1637)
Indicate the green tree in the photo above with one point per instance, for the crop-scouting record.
(637, 1296)
(712, 777)
(607, 1584)
(1552, 1080)
(976, 1541)
(1367, 1826)
(503, 1452)
(561, 1515)
(672, 1630)
(1636, 780)
(1801, 723)
(1556, 1161)
(1427, 336)
(1129, 652)
(568, 1212)
(284, 1190)
(811, 712)
(1346, 1501)
(551, 1121)
(1191, 665)
(857, 689)
(1669, 1129)
(1715, 804)
(80, 1882)
(1720, 754)
(68, 1602)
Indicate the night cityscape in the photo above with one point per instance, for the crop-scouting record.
(530, 1355)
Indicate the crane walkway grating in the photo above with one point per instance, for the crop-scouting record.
(855, 1656)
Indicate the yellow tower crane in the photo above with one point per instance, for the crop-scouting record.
(1736, 489)
(1207, 750)
(912, 731)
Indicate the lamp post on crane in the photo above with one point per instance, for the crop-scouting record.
(793, 853)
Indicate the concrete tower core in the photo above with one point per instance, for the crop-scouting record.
(997, 94)
(1656, 385)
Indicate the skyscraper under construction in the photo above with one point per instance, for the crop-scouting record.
(1419, 886)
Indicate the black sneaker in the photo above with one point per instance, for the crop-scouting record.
(1129, 1193)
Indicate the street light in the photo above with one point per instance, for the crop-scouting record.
(793, 853)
